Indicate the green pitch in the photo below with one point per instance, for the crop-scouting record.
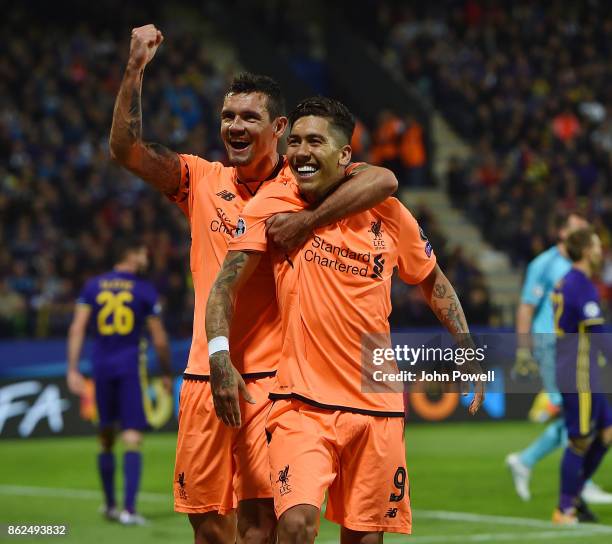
(461, 491)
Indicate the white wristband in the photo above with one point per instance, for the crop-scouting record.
(220, 343)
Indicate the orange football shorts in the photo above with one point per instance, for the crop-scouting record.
(358, 459)
(218, 466)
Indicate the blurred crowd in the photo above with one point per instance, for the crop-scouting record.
(397, 144)
(296, 29)
(409, 307)
(528, 84)
(62, 201)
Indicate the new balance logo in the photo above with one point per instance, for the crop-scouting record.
(226, 195)
(391, 513)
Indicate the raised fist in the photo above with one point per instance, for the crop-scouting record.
(143, 45)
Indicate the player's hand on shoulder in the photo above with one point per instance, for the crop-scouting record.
(288, 231)
(143, 45)
(76, 382)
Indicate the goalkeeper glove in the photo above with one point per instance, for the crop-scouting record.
(525, 365)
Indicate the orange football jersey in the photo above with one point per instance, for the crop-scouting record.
(334, 291)
(212, 198)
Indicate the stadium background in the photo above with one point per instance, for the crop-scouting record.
(494, 116)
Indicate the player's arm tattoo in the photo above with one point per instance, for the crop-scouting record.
(153, 162)
(219, 310)
(221, 369)
(225, 381)
(444, 302)
(220, 306)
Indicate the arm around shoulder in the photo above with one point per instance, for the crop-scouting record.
(367, 187)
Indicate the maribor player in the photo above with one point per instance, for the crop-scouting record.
(580, 340)
(121, 306)
(536, 354)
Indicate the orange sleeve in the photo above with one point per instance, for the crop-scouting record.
(251, 225)
(192, 169)
(416, 258)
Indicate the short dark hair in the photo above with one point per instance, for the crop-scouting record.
(124, 246)
(246, 83)
(577, 242)
(334, 111)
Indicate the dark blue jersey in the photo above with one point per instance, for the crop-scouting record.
(578, 320)
(121, 303)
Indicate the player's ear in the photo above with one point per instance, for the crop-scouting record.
(279, 126)
(345, 155)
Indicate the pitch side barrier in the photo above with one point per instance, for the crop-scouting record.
(427, 366)
(35, 400)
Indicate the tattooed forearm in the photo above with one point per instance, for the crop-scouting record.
(220, 301)
(443, 300)
(441, 290)
(134, 114)
(452, 317)
(126, 129)
(152, 162)
(225, 381)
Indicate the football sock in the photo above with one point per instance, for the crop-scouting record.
(572, 478)
(106, 468)
(132, 467)
(593, 457)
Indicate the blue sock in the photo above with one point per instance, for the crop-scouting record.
(547, 442)
(132, 467)
(106, 468)
(572, 478)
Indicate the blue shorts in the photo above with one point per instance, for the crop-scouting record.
(585, 413)
(119, 399)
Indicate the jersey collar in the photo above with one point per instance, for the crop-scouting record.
(279, 166)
